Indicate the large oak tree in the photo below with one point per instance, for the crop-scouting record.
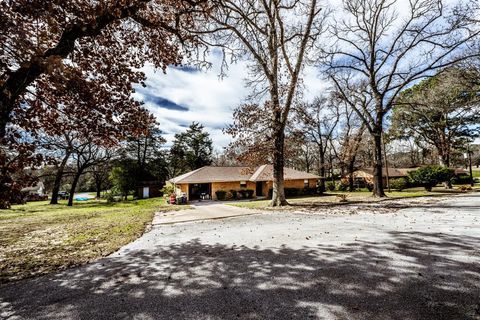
(380, 51)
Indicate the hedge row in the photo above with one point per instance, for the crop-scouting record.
(234, 194)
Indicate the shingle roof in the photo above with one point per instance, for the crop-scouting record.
(226, 174)
(265, 173)
(215, 174)
(392, 172)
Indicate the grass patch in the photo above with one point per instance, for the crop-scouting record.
(39, 238)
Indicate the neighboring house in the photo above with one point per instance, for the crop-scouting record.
(365, 175)
(38, 189)
(35, 193)
(208, 180)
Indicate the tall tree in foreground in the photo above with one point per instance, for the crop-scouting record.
(44, 45)
(386, 51)
(443, 111)
(276, 44)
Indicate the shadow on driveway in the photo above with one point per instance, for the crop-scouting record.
(412, 276)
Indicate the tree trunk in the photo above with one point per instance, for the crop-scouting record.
(278, 195)
(98, 186)
(351, 169)
(322, 169)
(74, 186)
(5, 110)
(378, 165)
(445, 162)
(58, 179)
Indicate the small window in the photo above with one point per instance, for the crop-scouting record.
(305, 183)
(243, 184)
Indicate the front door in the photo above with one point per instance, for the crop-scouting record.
(259, 190)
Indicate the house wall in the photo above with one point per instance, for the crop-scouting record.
(235, 185)
(298, 184)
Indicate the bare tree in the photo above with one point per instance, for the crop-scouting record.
(319, 120)
(386, 51)
(276, 44)
(352, 132)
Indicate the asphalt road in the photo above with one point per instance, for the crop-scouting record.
(417, 263)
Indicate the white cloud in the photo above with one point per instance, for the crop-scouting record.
(209, 99)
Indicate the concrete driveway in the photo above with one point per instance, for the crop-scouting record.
(201, 211)
(417, 263)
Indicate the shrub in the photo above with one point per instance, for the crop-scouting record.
(462, 179)
(229, 195)
(429, 176)
(168, 189)
(342, 186)
(250, 193)
(398, 184)
(221, 194)
(330, 186)
(242, 193)
(234, 194)
(110, 197)
(369, 187)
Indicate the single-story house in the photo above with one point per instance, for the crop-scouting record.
(208, 180)
(38, 189)
(365, 175)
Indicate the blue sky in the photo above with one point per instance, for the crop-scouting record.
(186, 94)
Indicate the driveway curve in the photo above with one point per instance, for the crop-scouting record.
(416, 263)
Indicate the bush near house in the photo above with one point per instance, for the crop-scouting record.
(429, 176)
(234, 194)
(250, 193)
(398, 184)
(221, 194)
(295, 192)
(229, 195)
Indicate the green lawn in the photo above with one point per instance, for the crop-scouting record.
(38, 238)
(359, 196)
(476, 173)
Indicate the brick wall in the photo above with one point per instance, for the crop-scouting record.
(299, 184)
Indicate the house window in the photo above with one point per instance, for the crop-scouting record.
(243, 184)
(305, 183)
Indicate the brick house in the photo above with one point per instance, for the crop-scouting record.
(207, 180)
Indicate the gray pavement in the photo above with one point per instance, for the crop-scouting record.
(201, 211)
(416, 263)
